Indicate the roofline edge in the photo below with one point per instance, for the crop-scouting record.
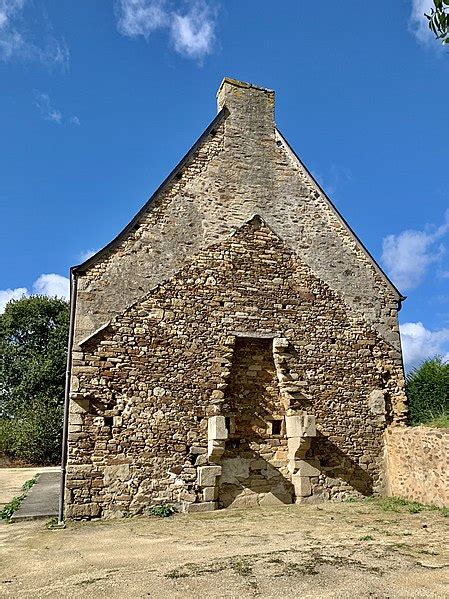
(81, 268)
(376, 265)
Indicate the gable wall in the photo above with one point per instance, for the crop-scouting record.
(245, 168)
(158, 373)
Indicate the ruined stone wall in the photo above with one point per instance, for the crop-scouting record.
(144, 387)
(418, 464)
(244, 167)
(254, 464)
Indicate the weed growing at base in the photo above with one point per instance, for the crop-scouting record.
(14, 504)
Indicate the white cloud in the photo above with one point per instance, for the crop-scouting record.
(408, 255)
(51, 285)
(49, 112)
(419, 25)
(419, 343)
(192, 31)
(6, 295)
(16, 44)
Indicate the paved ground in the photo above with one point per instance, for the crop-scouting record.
(349, 550)
(42, 500)
(12, 479)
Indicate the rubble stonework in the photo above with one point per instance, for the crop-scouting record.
(418, 464)
(236, 345)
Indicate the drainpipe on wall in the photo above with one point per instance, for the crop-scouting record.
(65, 428)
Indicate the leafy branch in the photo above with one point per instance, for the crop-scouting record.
(438, 20)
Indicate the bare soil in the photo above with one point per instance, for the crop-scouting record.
(331, 550)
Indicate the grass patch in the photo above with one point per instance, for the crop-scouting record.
(438, 422)
(399, 505)
(366, 538)
(14, 504)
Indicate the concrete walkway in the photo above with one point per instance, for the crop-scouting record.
(42, 499)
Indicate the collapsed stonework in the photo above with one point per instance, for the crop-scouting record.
(235, 345)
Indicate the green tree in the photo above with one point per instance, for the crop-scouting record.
(439, 20)
(33, 351)
(427, 389)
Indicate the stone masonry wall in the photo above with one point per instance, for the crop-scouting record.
(418, 464)
(244, 167)
(144, 386)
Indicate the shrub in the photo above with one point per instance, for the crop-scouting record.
(35, 436)
(162, 511)
(427, 389)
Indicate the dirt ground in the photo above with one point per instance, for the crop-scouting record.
(331, 550)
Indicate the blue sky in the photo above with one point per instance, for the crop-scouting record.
(99, 100)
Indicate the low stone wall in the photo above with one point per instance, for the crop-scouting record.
(417, 464)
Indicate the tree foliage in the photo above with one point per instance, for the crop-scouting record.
(427, 390)
(33, 349)
(438, 19)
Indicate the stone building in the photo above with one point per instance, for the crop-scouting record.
(235, 344)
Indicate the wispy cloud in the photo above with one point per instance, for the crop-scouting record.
(18, 43)
(419, 343)
(141, 17)
(191, 29)
(87, 254)
(408, 255)
(49, 112)
(52, 285)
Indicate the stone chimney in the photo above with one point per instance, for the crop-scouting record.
(251, 108)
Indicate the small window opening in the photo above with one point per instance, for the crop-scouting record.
(233, 443)
(228, 423)
(108, 421)
(276, 427)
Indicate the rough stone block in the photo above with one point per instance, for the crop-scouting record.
(309, 426)
(83, 510)
(206, 506)
(302, 485)
(377, 402)
(308, 468)
(209, 494)
(215, 449)
(297, 447)
(293, 425)
(216, 428)
(280, 343)
(270, 499)
(235, 469)
(300, 425)
(207, 475)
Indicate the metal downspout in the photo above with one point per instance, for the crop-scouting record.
(65, 428)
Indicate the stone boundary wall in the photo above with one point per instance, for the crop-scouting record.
(417, 464)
